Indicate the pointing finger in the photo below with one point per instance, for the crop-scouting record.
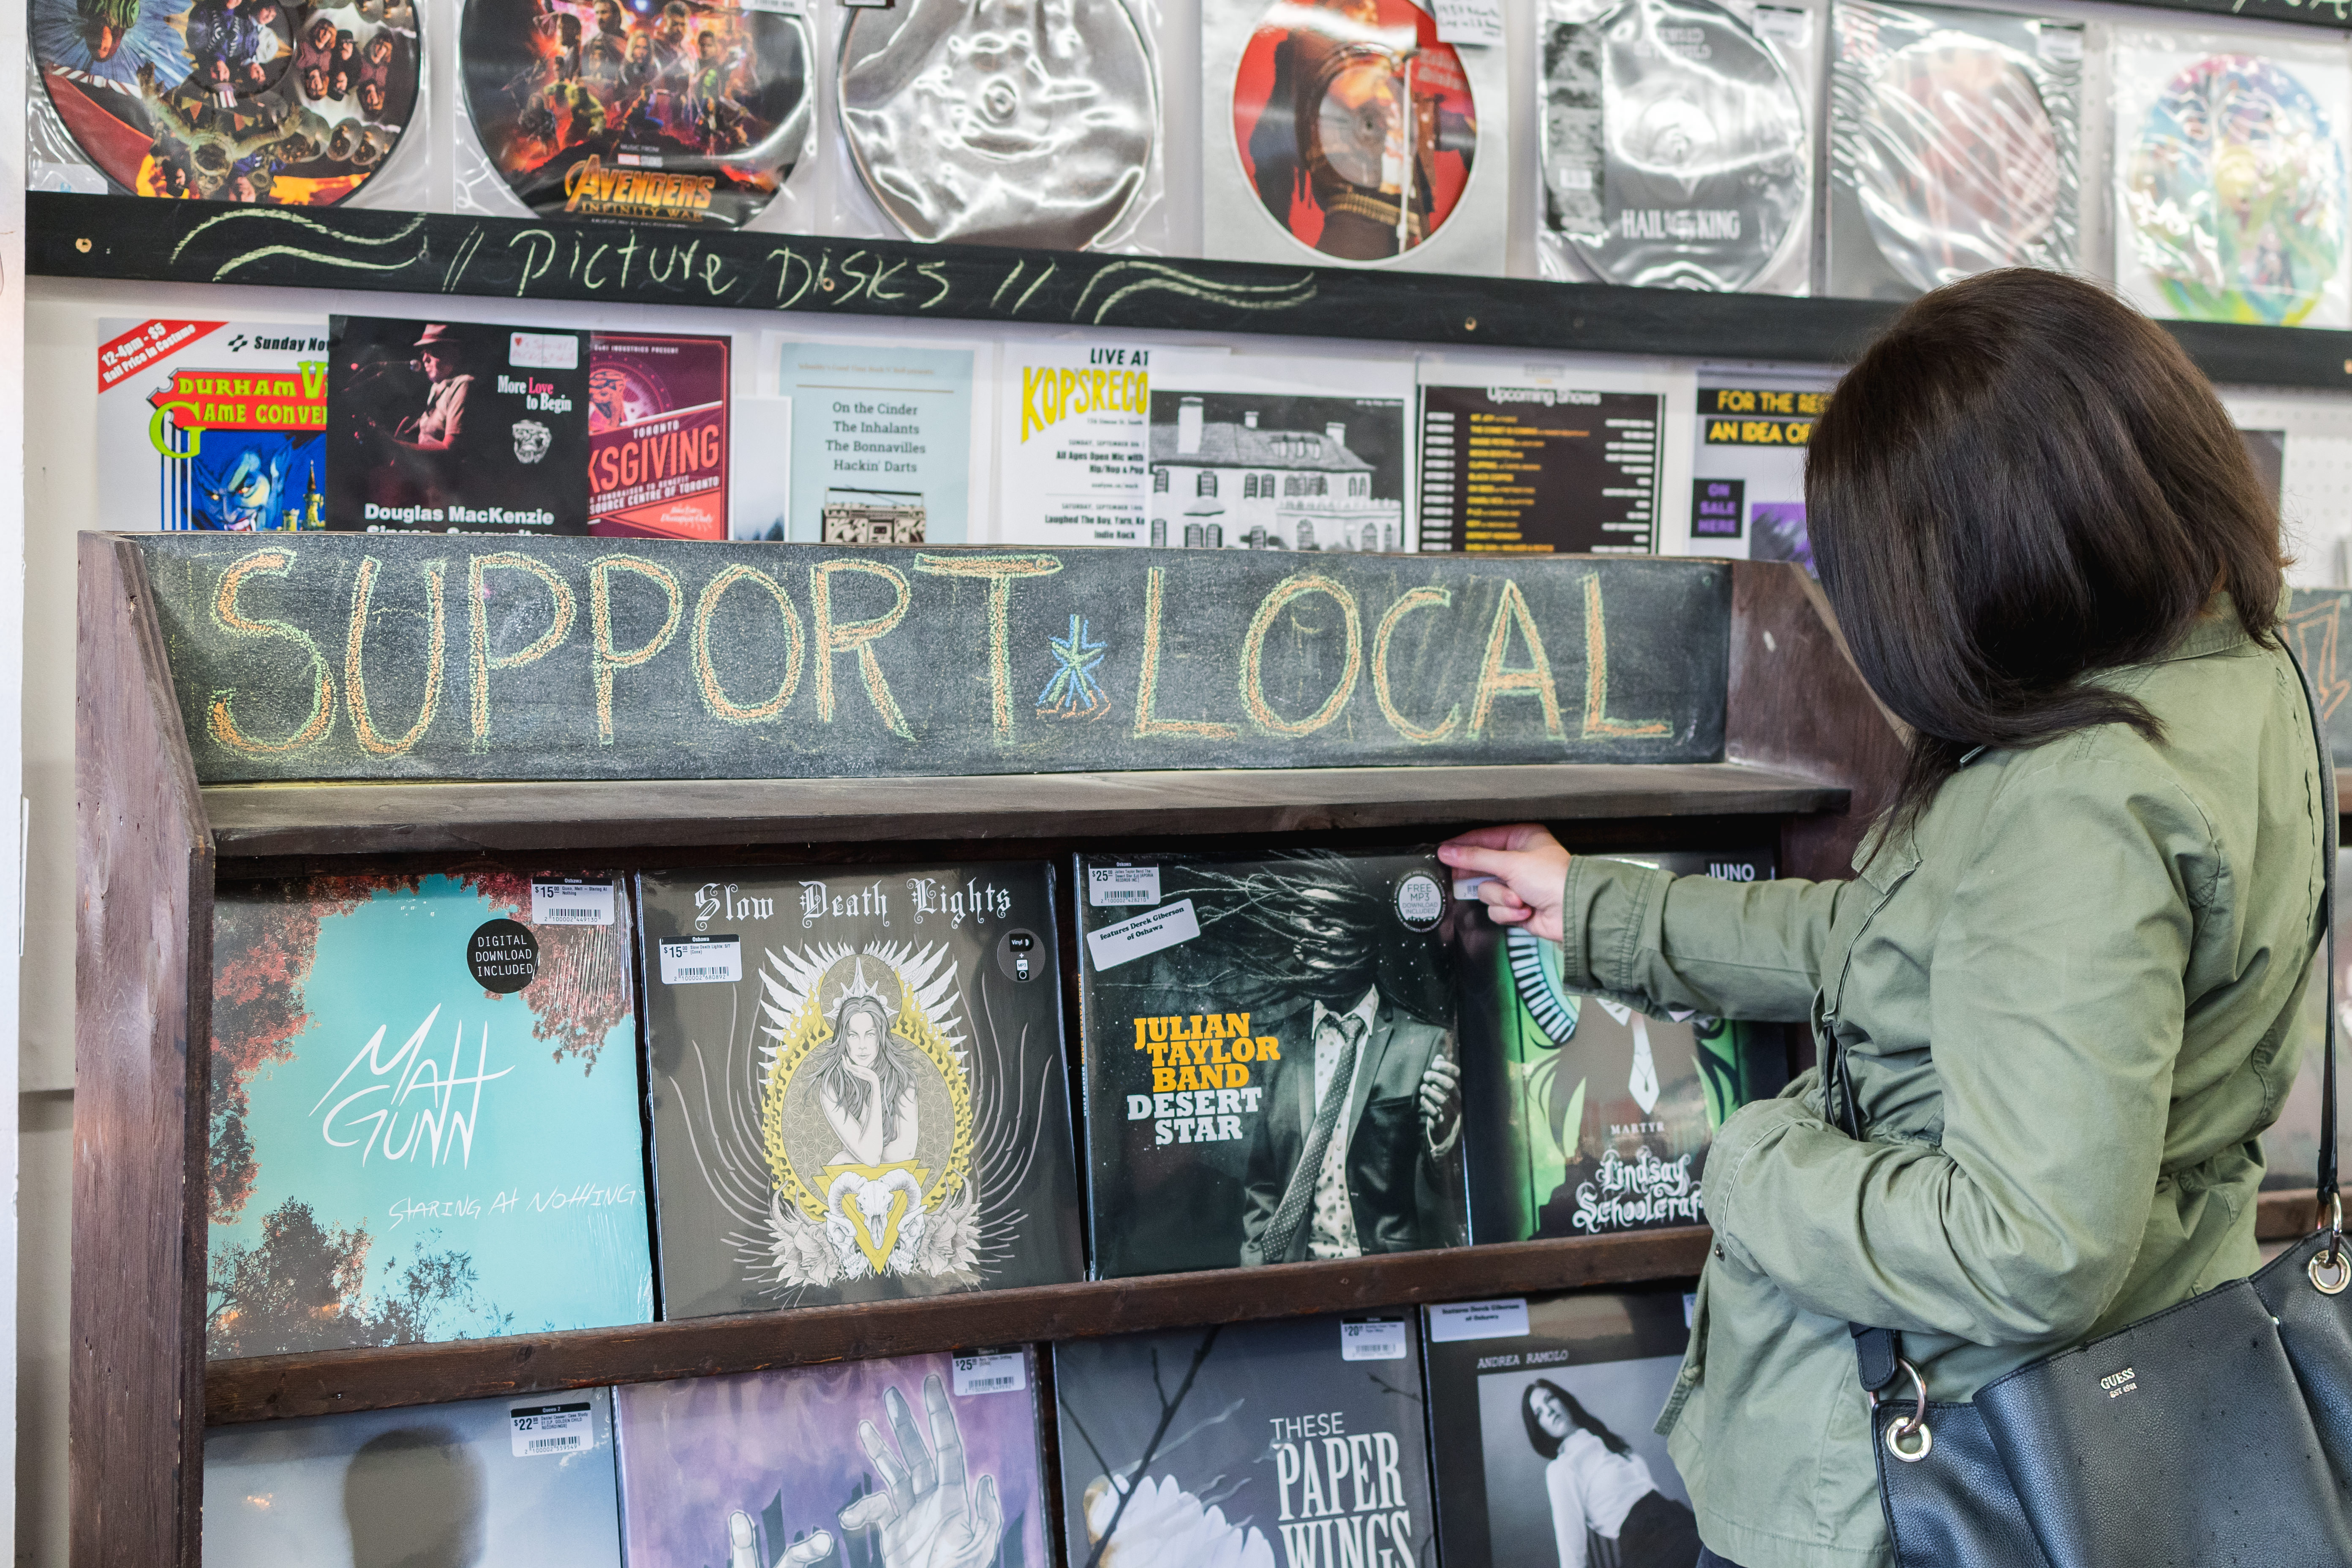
(886, 1466)
(947, 1438)
(911, 1442)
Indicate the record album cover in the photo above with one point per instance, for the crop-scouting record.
(424, 1112)
(1029, 127)
(857, 1090)
(646, 111)
(1955, 146)
(1270, 1073)
(2230, 179)
(1301, 453)
(657, 435)
(1585, 1117)
(1346, 133)
(1300, 1442)
(451, 427)
(1524, 463)
(1748, 466)
(1541, 1411)
(1677, 144)
(211, 424)
(281, 102)
(921, 1461)
(522, 1480)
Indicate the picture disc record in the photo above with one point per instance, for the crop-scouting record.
(966, 124)
(650, 110)
(1959, 169)
(1674, 146)
(273, 101)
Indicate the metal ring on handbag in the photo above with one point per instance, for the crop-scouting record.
(1917, 1420)
(2331, 1270)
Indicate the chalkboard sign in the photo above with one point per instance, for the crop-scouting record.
(2316, 620)
(469, 656)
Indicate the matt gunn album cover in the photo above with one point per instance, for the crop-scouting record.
(1270, 1059)
(856, 1084)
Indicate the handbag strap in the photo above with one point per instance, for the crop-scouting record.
(1878, 1353)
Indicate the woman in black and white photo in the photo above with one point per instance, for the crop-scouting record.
(1599, 1486)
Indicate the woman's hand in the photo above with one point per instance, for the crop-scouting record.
(1526, 871)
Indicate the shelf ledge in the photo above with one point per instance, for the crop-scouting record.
(251, 820)
(267, 1388)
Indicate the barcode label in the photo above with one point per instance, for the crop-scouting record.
(702, 961)
(1114, 885)
(2059, 44)
(1371, 1342)
(540, 1430)
(572, 903)
(1004, 1372)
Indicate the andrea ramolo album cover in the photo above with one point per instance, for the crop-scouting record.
(856, 1084)
(1300, 1442)
(1270, 1073)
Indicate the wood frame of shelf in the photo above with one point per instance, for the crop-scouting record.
(1806, 751)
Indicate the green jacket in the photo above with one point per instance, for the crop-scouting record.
(2067, 998)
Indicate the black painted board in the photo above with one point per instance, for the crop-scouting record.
(2319, 620)
(356, 657)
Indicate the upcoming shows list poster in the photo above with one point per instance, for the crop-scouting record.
(451, 427)
(211, 424)
(857, 1088)
(1073, 423)
(1271, 1071)
(657, 428)
(424, 1112)
(1298, 1442)
(525, 1479)
(888, 441)
(1514, 462)
(919, 1461)
(1748, 466)
(1540, 1417)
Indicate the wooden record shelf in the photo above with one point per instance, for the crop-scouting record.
(269, 1387)
(1807, 754)
(607, 263)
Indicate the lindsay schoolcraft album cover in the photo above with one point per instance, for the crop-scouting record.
(1300, 1442)
(856, 1084)
(527, 1480)
(456, 428)
(1271, 1073)
(918, 1461)
(424, 1112)
(1587, 1117)
(1542, 1412)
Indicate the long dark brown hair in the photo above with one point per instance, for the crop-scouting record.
(1548, 1445)
(2023, 482)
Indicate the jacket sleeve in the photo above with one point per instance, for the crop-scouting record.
(1735, 950)
(2056, 1007)
(1567, 1522)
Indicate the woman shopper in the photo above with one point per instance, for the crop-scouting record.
(2064, 976)
(1597, 1486)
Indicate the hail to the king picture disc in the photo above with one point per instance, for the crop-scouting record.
(1674, 146)
(687, 112)
(1021, 122)
(1355, 126)
(235, 100)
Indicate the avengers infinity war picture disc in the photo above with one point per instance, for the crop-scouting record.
(662, 110)
(1354, 124)
(232, 100)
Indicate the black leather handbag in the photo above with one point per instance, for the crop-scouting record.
(2216, 1432)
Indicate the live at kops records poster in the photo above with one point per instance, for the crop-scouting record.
(1344, 132)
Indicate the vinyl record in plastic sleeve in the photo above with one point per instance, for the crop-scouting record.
(1674, 146)
(1354, 124)
(274, 101)
(2234, 188)
(966, 126)
(660, 110)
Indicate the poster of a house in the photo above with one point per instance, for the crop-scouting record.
(1257, 470)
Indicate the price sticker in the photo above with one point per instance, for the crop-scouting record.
(540, 1430)
(1113, 886)
(572, 903)
(1007, 1372)
(1371, 1342)
(702, 961)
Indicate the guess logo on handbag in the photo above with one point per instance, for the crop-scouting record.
(2119, 1384)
